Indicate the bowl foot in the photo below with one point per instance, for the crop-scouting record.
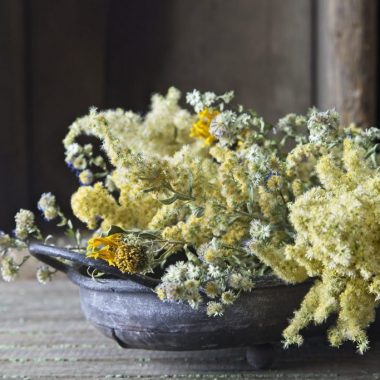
(118, 340)
(260, 356)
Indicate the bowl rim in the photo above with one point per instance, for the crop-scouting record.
(129, 286)
(57, 257)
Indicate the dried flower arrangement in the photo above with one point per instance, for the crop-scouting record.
(211, 200)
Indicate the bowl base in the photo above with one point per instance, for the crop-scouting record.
(260, 356)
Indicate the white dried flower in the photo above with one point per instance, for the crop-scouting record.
(194, 300)
(235, 280)
(215, 309)
(323, 127)
(191, 286)
(246, 284)
(259, 231)
(110, 184)
(194, 99)
(193, 271)
(48, 206)
(209, 98)
(99, 161)
(227, 97)
(25, 224)
(79, 163)
(176, 272)
(227, 117)
(256, 178)
(173, 292)
(87, 149)
(86, 177)
(228, 297)
(219, 129)
(223, 130)
(200, 101)
(5, 240)
(44, 274)
(73, 150)
(256, 156)
(9, 269)
(213, 271)
(244, 119)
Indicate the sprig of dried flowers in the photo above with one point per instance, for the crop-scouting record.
(229, 198)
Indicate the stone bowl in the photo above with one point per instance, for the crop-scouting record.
(126, 309)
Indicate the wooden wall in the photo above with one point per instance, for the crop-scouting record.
(57, 58)
(347, 58)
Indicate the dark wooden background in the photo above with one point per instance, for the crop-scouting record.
(58, 58)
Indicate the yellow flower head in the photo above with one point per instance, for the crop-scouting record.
(201, 129)
(131, 259)
(275, 183)
(211, 255)
(113, 249)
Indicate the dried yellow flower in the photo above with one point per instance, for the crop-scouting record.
(130, 259)
(201, 129)
(113, 249)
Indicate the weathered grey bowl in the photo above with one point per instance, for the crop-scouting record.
(133, 315)
(127, 310)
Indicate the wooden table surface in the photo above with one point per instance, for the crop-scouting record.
(43, 335)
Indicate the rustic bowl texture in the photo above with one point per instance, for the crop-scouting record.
(132, 314)
(127, 310)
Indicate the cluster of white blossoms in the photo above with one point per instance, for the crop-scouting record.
(324, 127)
(25, 224)
(48, 206)
(199, 101)
(259, 231)
(9, 269)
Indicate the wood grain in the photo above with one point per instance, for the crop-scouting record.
(14, 152)
(261, 49)
(67, 67)
(347, 58)
(43, 336)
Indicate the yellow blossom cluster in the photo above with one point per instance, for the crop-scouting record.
(213, 199)
(337, 240)
(93, 203)
(300, 166)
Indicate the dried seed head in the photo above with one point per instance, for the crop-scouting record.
(131, 259)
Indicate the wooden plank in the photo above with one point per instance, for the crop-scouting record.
(13, 142)
(137, 38)
(67, 65)
(260, 48)
(43, 335)
(347, 58)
